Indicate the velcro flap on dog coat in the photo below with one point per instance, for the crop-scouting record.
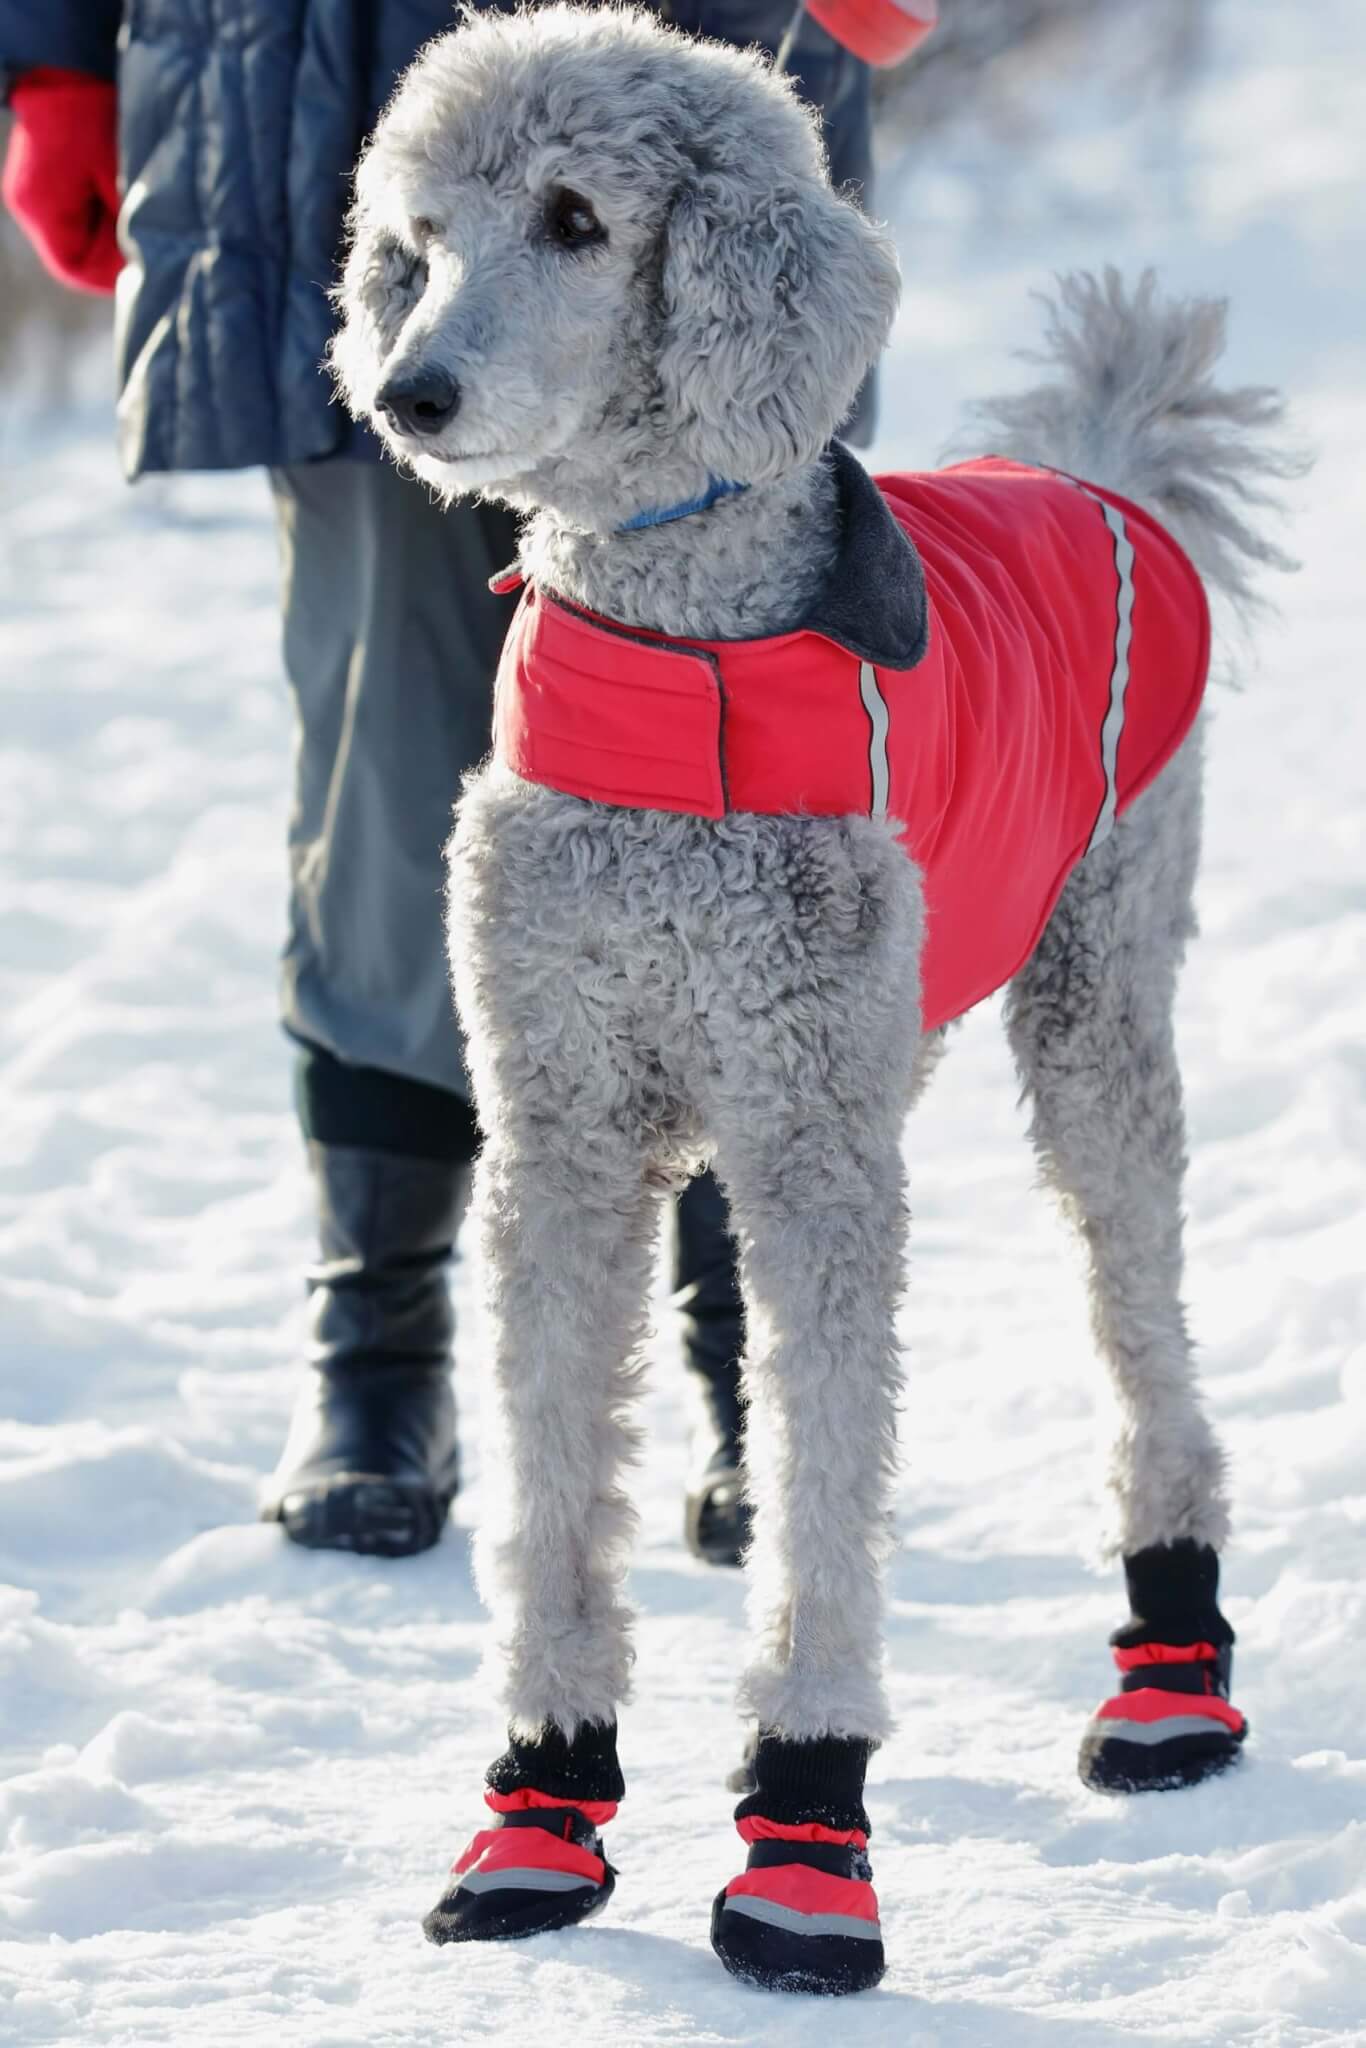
(607, 716)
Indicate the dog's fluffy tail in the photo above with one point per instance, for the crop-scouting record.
(1131, 404)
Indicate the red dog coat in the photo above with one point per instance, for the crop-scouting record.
(1002, 660)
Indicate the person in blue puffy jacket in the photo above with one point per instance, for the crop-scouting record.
(195, 160)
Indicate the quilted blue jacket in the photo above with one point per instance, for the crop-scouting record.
(240, 121)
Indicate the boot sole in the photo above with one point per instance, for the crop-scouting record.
(814, 1965)
(1111, 1765)
(371, 1517)
(513, 1916)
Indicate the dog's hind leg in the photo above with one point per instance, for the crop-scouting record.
(1090, 1024)
(808, 1114)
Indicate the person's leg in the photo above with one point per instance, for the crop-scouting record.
(391, 642)
(370, 1460)
(716, 1515)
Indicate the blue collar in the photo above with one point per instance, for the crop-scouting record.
(717, 487)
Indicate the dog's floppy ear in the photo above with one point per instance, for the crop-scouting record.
(776, 301)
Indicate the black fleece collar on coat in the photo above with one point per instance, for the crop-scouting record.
(874, 600)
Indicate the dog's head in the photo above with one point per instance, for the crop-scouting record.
(588, 252)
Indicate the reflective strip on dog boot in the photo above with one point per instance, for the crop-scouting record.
(1156, 1738)
(540, 1867)
(803, 1915)
(1170, 1724)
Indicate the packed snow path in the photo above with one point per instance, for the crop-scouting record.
(238, 1771)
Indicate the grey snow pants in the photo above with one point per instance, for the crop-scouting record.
(391, 639)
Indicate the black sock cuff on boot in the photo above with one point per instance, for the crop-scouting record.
(817, 1780)
(585, 1768)
(1173, 1597)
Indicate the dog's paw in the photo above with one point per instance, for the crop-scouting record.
(1156, 1741)
(792, 1927)
(536, 1871)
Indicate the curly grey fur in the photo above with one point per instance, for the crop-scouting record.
(643, 990)
(1134, 407)
(721, 325)
(1090, 1024)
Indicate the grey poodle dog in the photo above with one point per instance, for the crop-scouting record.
(598, 272)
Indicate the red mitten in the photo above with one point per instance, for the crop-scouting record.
(61, 174)
(882, 32)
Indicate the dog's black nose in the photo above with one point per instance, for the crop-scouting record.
(422, 403)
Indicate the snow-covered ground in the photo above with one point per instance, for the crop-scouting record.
(238, 1771)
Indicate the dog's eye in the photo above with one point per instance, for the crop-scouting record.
(423, 230)
(571, 220)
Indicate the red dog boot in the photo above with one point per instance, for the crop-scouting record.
(802, 1916)
(1170, 1723)
(540, 1865)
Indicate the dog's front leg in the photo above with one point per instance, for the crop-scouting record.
(807, 1113)
(567, 1203)
(567, 1230)
(566, 1250)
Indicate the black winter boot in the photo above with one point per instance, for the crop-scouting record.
(1170, 1723)
(716, 1516)
(370, 1462)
